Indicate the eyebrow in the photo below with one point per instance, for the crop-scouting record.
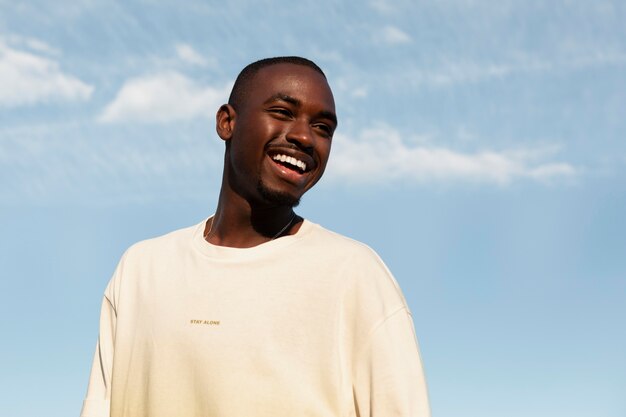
(284, 97)
(294, 101)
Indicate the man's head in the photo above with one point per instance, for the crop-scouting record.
(241, 88)
(278, 128)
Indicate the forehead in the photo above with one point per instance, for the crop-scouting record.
(299, 81)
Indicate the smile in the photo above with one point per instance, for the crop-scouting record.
(290, 162)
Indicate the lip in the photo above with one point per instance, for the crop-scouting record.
(289, 175)
(294, 153)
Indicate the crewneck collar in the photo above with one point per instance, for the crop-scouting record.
(228, 254)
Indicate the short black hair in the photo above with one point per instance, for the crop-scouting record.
(240, 88)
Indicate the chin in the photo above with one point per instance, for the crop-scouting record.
(276, 197)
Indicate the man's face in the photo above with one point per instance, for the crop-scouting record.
(282, 135)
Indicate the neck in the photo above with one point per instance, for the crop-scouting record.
(238, 223)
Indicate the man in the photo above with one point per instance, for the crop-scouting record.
(257, 311)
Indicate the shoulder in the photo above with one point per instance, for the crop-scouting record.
(368, 280)
(340, 245)
(154, 248)
(149, 255)
(370, 294)
(357, 257)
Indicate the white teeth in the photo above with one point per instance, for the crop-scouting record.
(290, 160)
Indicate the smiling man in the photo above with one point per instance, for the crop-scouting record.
(257, 311)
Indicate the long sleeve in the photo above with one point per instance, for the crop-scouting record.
(389, 378)
(98, 400)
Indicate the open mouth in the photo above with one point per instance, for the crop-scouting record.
(290, 162)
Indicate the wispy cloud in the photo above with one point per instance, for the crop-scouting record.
(33, 44)
(30, 77)
(65, 161)
(187, 54)
(380, 154)
(163, 98)
(453, 72)
(384, 6)
(381, 6)
(392, 35)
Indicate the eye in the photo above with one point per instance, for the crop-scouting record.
(324, 128)
(281, 112)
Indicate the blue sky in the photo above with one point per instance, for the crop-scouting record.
(480, 151)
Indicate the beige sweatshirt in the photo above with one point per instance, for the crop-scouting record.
(309, 325)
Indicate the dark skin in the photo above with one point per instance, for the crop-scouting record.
(288, 113)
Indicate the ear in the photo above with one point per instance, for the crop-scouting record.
(225, 121)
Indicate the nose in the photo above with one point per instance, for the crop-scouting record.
(300, 134)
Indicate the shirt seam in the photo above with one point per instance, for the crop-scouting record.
(373, 331)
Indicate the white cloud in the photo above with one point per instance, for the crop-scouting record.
(162, 98)
(380, 154)
(33, 44)
(189, 55)
(360, 92)
(29, 78)
(392, 35)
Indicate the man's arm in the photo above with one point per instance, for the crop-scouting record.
(98, 400)
(389, 378)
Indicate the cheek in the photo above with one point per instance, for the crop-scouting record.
(324, 152)
(240, 160)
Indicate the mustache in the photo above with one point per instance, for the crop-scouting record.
(288, 146)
